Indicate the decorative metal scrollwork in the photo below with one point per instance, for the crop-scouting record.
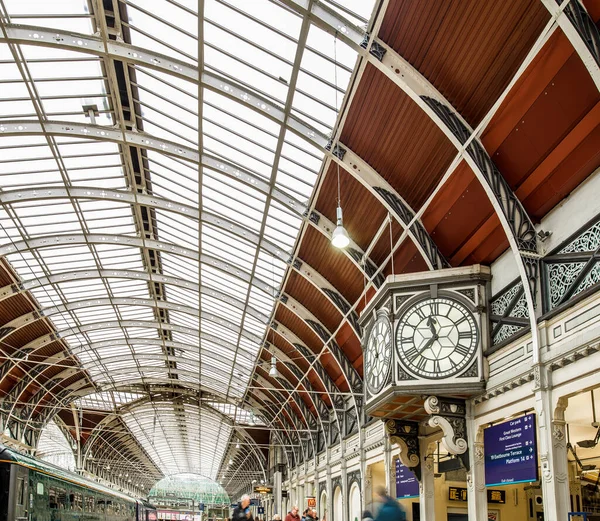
(369, 266)
(344, 308)
(573, 267)
(376, 49)
(406, 215)
(353, 477)
(405, 434)
(338, 151)
(509, 314)
(351, 422)
(348, 369)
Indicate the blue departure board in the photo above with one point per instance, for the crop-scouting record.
(511, 452)
(406, 482)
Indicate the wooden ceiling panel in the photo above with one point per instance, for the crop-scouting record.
(317, 250)
(14, 307)
(313, 300)
(350, 344)
(332, 367)
(468, 49)
(530, 86)
(299, 360)
(572, 170)
(391, 133)
(407, 259)
(461, 217)
(566, 100)
(363, 214)
(295, 324)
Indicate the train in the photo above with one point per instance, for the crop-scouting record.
(33, 490)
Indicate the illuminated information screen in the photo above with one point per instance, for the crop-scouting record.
(406, 482)
(511, 452)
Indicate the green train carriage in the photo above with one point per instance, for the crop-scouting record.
(33, 490)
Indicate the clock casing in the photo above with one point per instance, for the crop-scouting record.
(440, 333)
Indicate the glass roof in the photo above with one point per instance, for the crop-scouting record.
(158, 264)
(190, 486)
(54, 448)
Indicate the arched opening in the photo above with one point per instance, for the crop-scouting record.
(354, 503)
(338, 508)
(54, 448)
(323, 506)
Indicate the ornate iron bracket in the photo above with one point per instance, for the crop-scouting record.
(450, 415)
(406, 435)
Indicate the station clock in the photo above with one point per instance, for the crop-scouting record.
(425, 333)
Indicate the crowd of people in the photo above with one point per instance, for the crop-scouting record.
(389, 510)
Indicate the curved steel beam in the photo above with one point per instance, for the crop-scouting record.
(328, 291)
(294, 341)
(134, 242)
(293, 367)
(143, 140)
(393, 202)
(33, 316)
(513, 217)
(581, 30)
(127, 197)
(314, 324)
(326, 416)
(317, 220)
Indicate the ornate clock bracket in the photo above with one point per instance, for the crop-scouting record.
(406, 435)
(450, 415)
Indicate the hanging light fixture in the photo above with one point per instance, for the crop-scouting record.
(340, 238)
(237, 445)
(273, 372)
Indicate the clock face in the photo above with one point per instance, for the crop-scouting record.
(378, 354)
(437, 338)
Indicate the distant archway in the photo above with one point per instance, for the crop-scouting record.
(354, 503)
(323, 506)
(338, 505)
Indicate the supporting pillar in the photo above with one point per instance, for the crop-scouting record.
(477, 493)
(426, 485)
(277, 479)
(368, 499)
(552, 448)
(329, 490)
(387, 464)
(345, 492)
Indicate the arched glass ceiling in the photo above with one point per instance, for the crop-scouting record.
(190, 486)
(180, 437)
(142, 289)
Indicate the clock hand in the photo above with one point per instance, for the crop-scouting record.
(429, 343)
(431, 323)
